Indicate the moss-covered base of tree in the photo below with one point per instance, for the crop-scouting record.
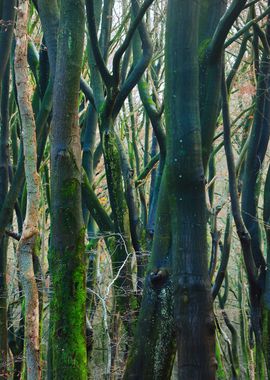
(67, 323)
(266, 338)
(153, 356)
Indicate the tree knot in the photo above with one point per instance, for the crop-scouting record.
(159, 277)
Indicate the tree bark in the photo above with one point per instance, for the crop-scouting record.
(193, 312)
(4, 162)
(177, 299)
(67, 260)
(266, 294)
(28, 241)
(7, 12)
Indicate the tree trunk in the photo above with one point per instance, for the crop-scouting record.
(4, 161)
(194, 318)
(28, 241)
(177, 297)
(7, 13)
(266, 294)
(153, 352)
(67, 260)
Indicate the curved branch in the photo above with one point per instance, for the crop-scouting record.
(246, 27)
(251, 3)
(138, 69)
(119, 53)
(225, 254)
(96, 210)
(223, 28)
(149, 104)
(146, 171)
(243, 234)
(88, 92)
(104, 72)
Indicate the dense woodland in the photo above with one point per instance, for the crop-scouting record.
(134, 189)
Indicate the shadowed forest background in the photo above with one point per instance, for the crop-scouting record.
(134, 189)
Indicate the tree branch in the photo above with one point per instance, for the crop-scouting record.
(146, 171)
(96, 210)
(88, 92)
(242, 232)
(13, 234)
(104, 72)
(223, 28)
(251, 3)
(119, 53)
(138, 69)
(246, 27)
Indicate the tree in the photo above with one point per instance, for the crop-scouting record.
(67, 260)
(179, 258)
(7, 13)
(30, 233)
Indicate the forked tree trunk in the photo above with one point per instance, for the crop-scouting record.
(28, 241)
(177, 298)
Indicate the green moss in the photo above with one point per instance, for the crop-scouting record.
(115, 186)
(144, 87)
(126, 300)
(203, 49)
(68, 311)
(70, 188)
(102, 108)
(91, 245)
(157, 343)
(68, 219)
(266, 339)
(220, 371)
(37, 245)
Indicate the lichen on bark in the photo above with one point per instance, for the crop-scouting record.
(27, 244)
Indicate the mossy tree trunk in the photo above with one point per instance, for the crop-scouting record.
(266, 294)
(121, 205)
(67, 261)
(4, 161)
(124, 293)
(178, 288)
(177, 284)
